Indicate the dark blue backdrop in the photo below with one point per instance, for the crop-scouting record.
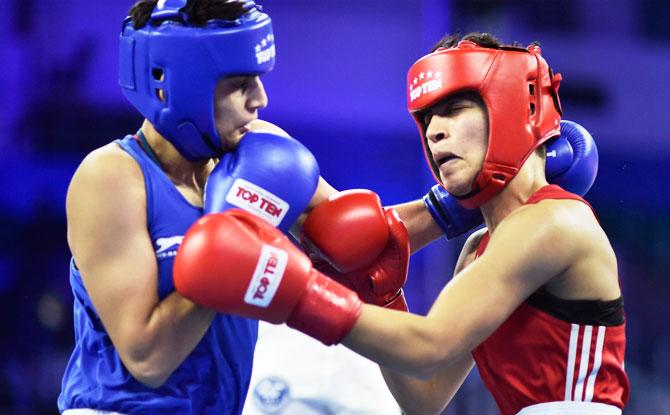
(339, 87)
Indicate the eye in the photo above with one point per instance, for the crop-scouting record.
(454, 109)
(239, 84)
(243, 84)
(426, 116)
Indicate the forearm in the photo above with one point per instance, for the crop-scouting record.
(420, 225)
(410, 344)
(171, 332)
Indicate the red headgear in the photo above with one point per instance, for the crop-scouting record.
(521, 95)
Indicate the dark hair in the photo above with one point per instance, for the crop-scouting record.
(199, 12)
(485, 40)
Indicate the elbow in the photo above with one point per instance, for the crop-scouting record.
(144, 361)
(146, 366)
(426, 368)
(147, 373)
(433, 358)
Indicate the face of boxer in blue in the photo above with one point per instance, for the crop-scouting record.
(170, 70)
(237, 100)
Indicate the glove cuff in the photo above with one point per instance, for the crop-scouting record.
(327, 310)
(454, 219)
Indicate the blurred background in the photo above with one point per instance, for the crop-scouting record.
(338, 86)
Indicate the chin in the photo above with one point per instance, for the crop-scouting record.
(230, 140)
(455, 187)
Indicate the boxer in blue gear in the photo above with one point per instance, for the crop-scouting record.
(140, 347)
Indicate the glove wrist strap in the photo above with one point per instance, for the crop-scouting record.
(327, 310)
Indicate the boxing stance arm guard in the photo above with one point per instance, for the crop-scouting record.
(236, 263)
(572, 163)
(353, 239)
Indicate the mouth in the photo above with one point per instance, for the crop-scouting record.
(244, 129)
(444, 158)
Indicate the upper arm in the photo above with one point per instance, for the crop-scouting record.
(106, 216)
(529, 248)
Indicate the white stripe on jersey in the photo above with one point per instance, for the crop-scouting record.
(583, 363)
(572, 353)
(598, 358)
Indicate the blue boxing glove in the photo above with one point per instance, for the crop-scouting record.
(572, 159)
(454, 219)
(572, 163)
(272, 176)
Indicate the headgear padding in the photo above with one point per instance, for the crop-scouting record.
(169, 70)
(520, 93)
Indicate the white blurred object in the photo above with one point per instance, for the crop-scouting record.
(294, 374)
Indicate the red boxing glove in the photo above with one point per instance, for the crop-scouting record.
(351, 238)
(236, 263)
(348, 230)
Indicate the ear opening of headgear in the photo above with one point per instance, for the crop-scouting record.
(169, 68)
(519, 92)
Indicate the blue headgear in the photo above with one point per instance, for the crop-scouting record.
(169, 70)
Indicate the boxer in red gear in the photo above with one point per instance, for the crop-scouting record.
(535, 301)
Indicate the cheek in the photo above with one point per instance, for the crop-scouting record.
(429, 147)
(225, 105)
(478, 132)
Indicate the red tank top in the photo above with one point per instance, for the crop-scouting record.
(535, 358)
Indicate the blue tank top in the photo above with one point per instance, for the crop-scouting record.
(213, 379)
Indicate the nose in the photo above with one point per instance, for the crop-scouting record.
(436, 129)
(257, 98)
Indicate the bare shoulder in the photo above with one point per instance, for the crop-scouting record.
(106, 160)
(557, 220)
(105, 200)
(106, 171)
(555, 232)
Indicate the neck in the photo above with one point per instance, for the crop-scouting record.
(530, 178)
(177, 167)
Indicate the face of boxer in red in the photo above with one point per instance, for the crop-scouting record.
(457, 138)
(519, 95)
